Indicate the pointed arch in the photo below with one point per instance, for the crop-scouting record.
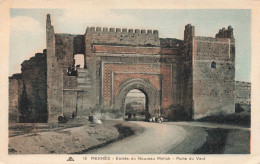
(152, 94)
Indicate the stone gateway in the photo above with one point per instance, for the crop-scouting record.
(181, 79)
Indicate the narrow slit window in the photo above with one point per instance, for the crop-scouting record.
(213, 64)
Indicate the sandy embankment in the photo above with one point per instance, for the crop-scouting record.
(69, 140)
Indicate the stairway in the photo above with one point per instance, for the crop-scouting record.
(83, 78)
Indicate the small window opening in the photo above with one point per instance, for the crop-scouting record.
(213, 64)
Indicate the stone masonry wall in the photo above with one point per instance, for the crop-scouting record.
(170, 46)
(186, 73)
(34, 77)
(65, 46)
(112, 37)
(61, 49)
(163, 72)
(213, 76)
(243, 95)
(124, 37)
(193, 77)
(54, 106)
(115, 74)
(15, 91)
(76, 93)
(111, 42)
(188, 77)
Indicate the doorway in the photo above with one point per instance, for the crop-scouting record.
(136, 105)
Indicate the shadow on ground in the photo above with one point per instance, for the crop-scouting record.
(241, 119)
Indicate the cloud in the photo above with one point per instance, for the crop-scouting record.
(28, 29)
(76, 21)
(27, 38)
(25, 24)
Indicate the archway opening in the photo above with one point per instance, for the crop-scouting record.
(136, 105)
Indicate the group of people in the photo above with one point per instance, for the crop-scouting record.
(72, 71)
(156, 118)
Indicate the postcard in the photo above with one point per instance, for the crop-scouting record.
(129, 82)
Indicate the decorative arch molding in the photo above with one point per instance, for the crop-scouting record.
(152, 94)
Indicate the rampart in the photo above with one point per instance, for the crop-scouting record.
(214, 74)
(28, 91)
(183, 79)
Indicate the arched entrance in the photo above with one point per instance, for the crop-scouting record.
(151, 93)
(136, 105)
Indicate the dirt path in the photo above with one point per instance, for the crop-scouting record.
(147, 138)
(156, 139)
(182, 138)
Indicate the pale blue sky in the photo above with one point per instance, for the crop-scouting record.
(27, 32)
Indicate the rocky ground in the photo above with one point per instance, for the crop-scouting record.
(73, 137)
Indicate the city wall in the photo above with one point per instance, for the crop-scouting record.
(183, 79)
(28, 91)
(213, 75)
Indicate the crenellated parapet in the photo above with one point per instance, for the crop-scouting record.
(123, 30)
(225, 33)
(118, 36)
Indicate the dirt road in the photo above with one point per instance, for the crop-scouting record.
(156, 139)
(182, 138)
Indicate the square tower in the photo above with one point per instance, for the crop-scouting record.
(213, 74)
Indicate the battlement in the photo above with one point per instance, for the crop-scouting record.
(225, 33)
(123, 30)
(116, 36)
